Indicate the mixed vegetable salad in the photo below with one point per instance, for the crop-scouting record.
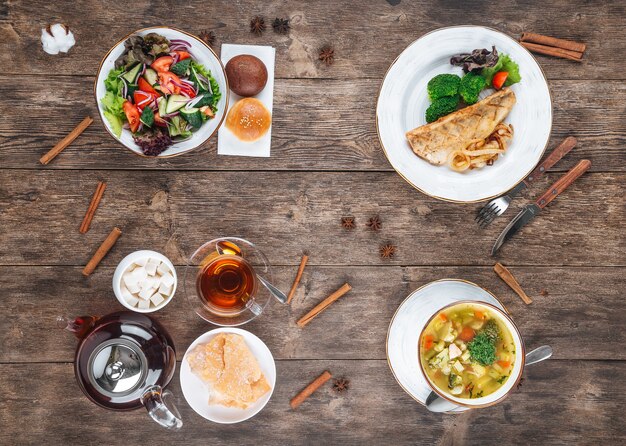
(482, 68)
(158, 91)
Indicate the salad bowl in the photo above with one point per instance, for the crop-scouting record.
(201, 54)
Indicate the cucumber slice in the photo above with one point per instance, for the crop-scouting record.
(116, 123)
(192, 116)
(131, 89)
(151, 76)
(132, 74)
(193, 76)
(162, 105)
(175, 102)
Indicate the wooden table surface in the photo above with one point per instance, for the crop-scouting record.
(326, 162)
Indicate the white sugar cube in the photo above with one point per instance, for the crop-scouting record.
(128, 279)
(139, 273)
(151, 267)
(156, 299)
(149, 282)
(167, 279)
(143, 304)
(125, 292)
(165, 290)
(163, 268)
(131, 300)
(147, 293)
(141, 262)
(134, 288)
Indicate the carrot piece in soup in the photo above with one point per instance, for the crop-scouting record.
(479, 315)
(467, 334)
(504, 364)
(443, 317)
(429, 341)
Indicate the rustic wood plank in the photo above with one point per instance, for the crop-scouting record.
(583, 409)
(581, 316)
(339, 131)
(367, 35)
(175, 212)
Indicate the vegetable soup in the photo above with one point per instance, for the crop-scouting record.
(467, 352)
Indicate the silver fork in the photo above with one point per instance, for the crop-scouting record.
(497, 206)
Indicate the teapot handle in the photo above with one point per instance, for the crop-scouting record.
(160, 408)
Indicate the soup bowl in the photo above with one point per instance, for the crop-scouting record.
(516, 372)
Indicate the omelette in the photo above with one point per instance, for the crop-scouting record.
(436, 141)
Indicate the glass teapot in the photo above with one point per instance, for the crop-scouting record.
(123, 361)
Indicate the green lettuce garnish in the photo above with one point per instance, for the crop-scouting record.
(113, 83)
(215, 88)
(505, 63)
(113, 102)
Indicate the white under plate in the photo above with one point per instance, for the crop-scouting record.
(408, 322)
(196, 392)
(403, 100)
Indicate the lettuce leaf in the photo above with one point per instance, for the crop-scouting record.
(505, 63)
(215, 88)
(113, 104)
(116, 123)
(113, 83)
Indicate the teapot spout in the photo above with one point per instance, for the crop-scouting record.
(80, 325)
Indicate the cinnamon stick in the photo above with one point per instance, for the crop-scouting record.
(552, 51)
(308, 390)
(91, 210)
(104, 248)
(508, 278)
(296, 282)
(323, 305)
(61, 145)
(553, 41)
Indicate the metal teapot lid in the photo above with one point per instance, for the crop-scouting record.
(117, 367)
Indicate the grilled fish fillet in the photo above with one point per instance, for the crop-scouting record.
(435, 141)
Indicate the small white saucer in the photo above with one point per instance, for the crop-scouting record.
(408, 322)
(196, 391)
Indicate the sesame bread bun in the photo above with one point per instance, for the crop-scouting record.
(248, 119)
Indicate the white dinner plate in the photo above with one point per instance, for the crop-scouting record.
(202, 54)
(196, 391)
(409, 320)
(403, 100)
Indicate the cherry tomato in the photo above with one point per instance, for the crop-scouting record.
(499, 79)
(163, 63)
(132, 114)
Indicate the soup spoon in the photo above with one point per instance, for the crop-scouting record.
(435, 403)
(232, 249)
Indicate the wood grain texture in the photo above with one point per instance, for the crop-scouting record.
(46, 398)
(367, 36)
(286, 213)
(317, 125)
(581, 316)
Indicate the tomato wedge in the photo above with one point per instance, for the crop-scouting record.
(182, 55)
(132, 114)
(141, 98)
(467, 334)
(163, 63)
(145, 86)
(170, 83)
(499, 79)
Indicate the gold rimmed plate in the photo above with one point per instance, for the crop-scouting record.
(204, 55)
(403, 100)
(412, 316)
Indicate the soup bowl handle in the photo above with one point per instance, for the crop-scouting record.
(435, 403)
(160, 409)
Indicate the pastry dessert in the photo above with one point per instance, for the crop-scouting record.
(248, 119)
(229, 367)
(247, 75)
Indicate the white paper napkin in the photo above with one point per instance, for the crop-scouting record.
(227, 142)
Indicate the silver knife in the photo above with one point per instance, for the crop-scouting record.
(529, 211)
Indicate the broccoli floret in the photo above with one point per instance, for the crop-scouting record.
(441, 107)
(471, 85)
(482, 348)
(491, 329)
(443, 85)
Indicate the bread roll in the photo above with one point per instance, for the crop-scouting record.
(247, 75)
(248, 119)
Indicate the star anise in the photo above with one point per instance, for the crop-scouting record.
(375, 223)
(257, 25)
(281, 26)
(208, 37)
(327, 54)
(387, 251)
(347, 222)
(341, 384)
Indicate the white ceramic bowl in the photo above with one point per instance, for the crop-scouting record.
(125, 264)
(514, 376)
(203, 54)
(197, 392)
(403, 100)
